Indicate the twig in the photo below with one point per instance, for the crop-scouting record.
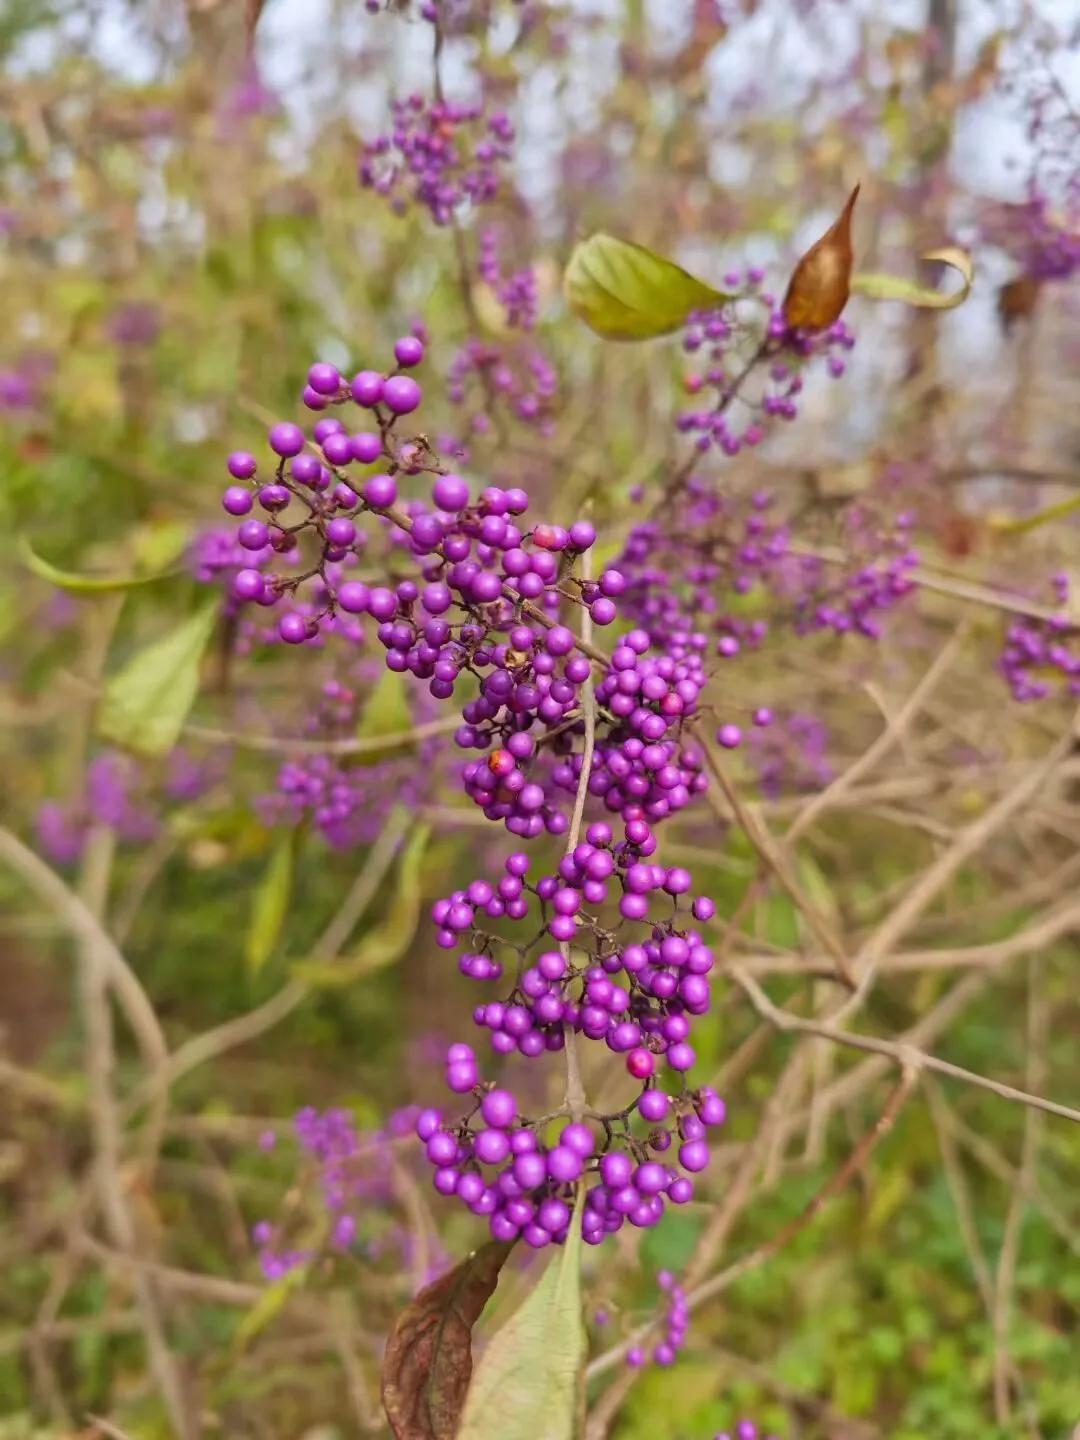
(1004, 1367)
(575, 1089)
(773, 857)
(244, 1028)
(757, 1257)
(899, 1051)
(890, 737)
(926, 889)
(94, 979)
(87, 929)
(345, 745)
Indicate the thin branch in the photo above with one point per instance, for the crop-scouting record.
(757, 1257)
(94, 976)
(902, 1053)
(773, 857)
(576, 1099)
(245, 1028)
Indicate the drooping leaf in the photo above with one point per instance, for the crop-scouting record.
(820, 283)
(386, 712)
(268, 1306)
(428, 1359)
(529, 1384)
(625, 292)
(878, 286)
(386, 942)
(270, 901)
(145, 704)
(83, 584)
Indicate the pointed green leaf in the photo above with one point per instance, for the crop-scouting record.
(146, 703)
(386, 942)
(428, 1358)
(386, 713)
(625, 292)
(529, 1384)
(84, 584)
(923, 297)
(270, 902)
(268, 1307)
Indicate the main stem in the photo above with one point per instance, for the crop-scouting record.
(575, 1089)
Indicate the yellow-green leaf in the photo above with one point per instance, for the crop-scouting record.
(145, 703)
(625, 292)
(268, 1307)
(270, 902)
(386, 713)
(387, 941)
(877, 286)
(529, 1384)
(82, 584)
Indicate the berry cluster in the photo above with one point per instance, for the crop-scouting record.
(357, 1182)
(1038, 652)
(744, 1430)
(517, 292)
(734, 339)
(118, 794)
(522, 1174)
(665, 967)
(521, 379)
(576, 987)
(676, 1322)
(792, 756)
(1045, 247)
(438, 154)
(486, 603)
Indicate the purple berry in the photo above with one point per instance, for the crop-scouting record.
(401, 394)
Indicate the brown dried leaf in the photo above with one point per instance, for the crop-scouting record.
(1016, 300)
(428, 1360)
(821, 282)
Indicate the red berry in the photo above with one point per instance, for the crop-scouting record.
(640, 1063)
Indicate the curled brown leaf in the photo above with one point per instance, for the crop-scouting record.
(428, 1361)
(821, 282)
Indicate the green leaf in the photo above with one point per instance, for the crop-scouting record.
(270, 902)
(529, 1384)
(386, 713)
(625, 292)
(894, 287)
(146, 703)
(84, 584)
(268, 1307)
(386, 942)
(428, 1358)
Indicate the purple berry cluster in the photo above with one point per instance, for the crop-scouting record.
(356, 1178)
(1046, 247)
(744, 1430)
(638, 996)
(522, 1175)
(732, 342)
(118, 793)
(516, 292)
(850, 600)
(662, 958)
(438, 154)
(518, 378)
(791, 755)
(676, 1322)
(1041, 652)
(486, 605)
